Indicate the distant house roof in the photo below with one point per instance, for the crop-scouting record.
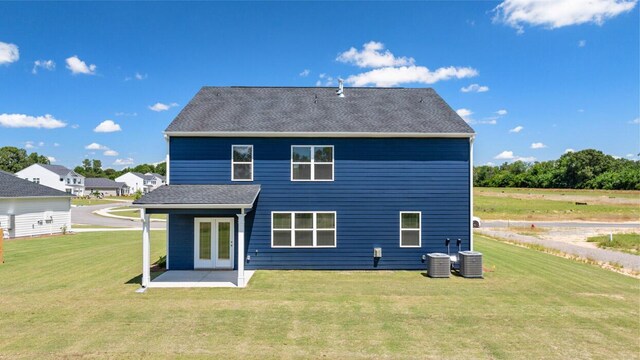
(14, 187)
(200, 196)
(102, 183)
(365, 111)
(155, 175)
(59, 169)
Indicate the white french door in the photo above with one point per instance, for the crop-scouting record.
(213, 243)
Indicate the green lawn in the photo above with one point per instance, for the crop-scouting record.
(136, 214)
(629, 243)
(74, 296)
(627, 194)
(493, 207)
(84, 202)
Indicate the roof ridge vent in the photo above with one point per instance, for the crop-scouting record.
(340, 91)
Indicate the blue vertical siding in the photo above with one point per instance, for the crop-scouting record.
(374, 180)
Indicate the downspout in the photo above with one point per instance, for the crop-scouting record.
(471, 140)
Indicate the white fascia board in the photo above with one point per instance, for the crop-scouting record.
(38, 197)
(193, 206)
(315, 134)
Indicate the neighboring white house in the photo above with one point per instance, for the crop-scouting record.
(28, 209)
(144, 182)
(54, 176)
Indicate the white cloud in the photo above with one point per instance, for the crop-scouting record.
(489, 163)
(505, 155)
(305, 73)
(29, 145)
(635, 121)
(393, 76)
(508, 155)
(75, 126)
(580, 110)
(488, 121)
(553, 14)
(43, 64)
(162, 107)
(525, 158)
(474, 88)
(538, 145)
(26, 121)
(136, 76)
(318, 83)
(107, 126)
(51, 159)
(582, 43)
(630, 155)
(110, 153)
(465, 114)
(569, 150)
(56, 144)
(78, 66)
(41, 143)
(501, 112)
(8, 53)
(96, 146)
(127, 161)
(121, 113)
(373, 55)
(321, 76)
(516, 129)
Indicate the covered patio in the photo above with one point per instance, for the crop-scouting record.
(217, 219)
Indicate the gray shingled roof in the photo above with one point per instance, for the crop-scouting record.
(102, 183)
(14, 187)
(58, 169)
(201, 195)
(296, 109)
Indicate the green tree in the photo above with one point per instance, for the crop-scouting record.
(13, 159)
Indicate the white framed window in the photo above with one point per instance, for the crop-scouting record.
(242, 162)
(312, 162)
(410, 229)
(303, 229)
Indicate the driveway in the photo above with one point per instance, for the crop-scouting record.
(84, 215)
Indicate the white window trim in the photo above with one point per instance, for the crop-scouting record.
(292, 214)
(419, 229)
(241, 162)
(312, 163)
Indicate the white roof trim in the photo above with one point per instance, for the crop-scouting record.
(193, 206)
(315, 134)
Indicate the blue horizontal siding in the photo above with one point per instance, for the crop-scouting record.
(374, 180)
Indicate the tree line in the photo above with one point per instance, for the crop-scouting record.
(585, 169)
(13, 159)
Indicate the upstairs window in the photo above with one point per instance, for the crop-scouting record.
(312, 163)
(242, 162)
(410, 229)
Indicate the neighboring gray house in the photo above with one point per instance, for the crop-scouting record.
(54, 176)
(28, 209)
(106, 187)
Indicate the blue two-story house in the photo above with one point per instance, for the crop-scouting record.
(312, 178)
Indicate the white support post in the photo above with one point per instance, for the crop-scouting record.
(240, 247)
(167, 158)
(146, 248)
(471, 139)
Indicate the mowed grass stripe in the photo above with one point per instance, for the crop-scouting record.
(68, 296)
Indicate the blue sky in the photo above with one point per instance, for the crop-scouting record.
(568, 76)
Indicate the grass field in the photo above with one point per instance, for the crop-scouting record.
(629, 243)
(136, 214)
(544, 204)
(73, 296)
(85, 202)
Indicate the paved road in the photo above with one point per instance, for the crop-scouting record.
(626, 260)
(84, 215)
(561, 224)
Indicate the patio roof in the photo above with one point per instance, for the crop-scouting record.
(200, 197)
